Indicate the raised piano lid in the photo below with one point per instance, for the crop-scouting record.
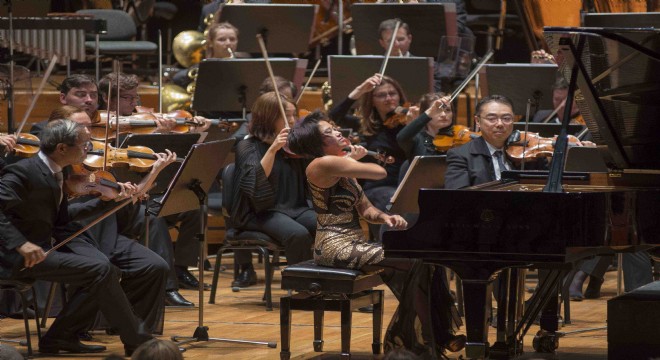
(619, 88)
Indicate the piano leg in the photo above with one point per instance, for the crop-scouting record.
(508, 314)
(477, 299)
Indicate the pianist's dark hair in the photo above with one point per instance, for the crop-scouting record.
(493, 98)
(305, 138)
(74, 81)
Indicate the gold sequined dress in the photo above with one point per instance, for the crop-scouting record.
(340, 241)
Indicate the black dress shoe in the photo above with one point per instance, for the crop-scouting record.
(187, 280)
(54, 346)
(173, 298)
(246, 278)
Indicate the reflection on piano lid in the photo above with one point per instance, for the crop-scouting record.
(619, 90)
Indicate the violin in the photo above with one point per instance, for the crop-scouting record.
(525, 146)
(27, 145)
(138, 123)
(136, 158)
(82, 182)
(453, 136)
(381, 157)
(398, 117)
(185, 118)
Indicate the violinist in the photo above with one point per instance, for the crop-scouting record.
(129, 223)
(77, 90)
(378, 101)
(340, 242)
(129, 99)
(32, 206)
(559, 94)
(269, 187)
(435, 119)
(143, 271)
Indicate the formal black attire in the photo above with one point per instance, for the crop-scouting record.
(30, 209)
(414, 140)
(276, 204)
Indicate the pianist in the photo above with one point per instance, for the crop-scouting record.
(340, 242)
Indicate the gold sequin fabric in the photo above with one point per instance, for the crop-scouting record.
(340, 241)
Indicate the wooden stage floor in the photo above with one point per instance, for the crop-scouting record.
(241, 315)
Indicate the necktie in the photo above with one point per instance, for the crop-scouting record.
(59, 177)
(500, 163)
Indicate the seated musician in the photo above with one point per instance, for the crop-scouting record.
(129, 99)
(247, 275)
(340, 242)
(186, 252)
(143, 272)
(221, 43)
(378, 100)
(269, 186)
(433, 117)
(32, 205)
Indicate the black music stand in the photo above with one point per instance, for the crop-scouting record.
(520, 83)
(275, 22)
(188, 191)
(424, 172)
(414, 74)
(428, 24)
(233, 84)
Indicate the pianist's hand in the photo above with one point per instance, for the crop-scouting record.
(395, 221)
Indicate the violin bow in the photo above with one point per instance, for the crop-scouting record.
(51, 65)
(260, 40)
(316, 66)
(381, 72)
(107, 130)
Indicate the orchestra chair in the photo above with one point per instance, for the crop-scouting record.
(321, 289)
(22, 288)
(236, 239)
(117, 42)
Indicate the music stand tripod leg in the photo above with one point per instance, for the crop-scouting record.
(201, 332)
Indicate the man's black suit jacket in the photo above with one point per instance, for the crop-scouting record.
(29, 209)
(469, 165)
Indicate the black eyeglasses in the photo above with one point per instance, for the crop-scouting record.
(87, 145)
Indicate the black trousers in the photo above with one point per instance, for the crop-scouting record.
(143, 275)
(295, 234)
(98, 289)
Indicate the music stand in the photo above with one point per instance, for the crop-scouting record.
(275, 22)
(233, 84)
(178, 143)
(428, 24)
(414, 74)
(504, 79)
(188, 191)
(424, 172)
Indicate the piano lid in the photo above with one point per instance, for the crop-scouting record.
(619, 89)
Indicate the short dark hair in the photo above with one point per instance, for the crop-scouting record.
(390, 24)
(64, 111)
(493, 98)
(305, 138)
(59, 132)
(75, 81)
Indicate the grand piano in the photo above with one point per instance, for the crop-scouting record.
(550, 220)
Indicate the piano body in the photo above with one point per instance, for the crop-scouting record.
(550, 220)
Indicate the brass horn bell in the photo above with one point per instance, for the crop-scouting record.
(175, 98)
(188, 47)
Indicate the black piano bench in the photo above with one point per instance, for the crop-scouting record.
(323, 288)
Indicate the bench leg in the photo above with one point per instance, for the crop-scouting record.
(285, 327)
(377, 298)
(269, 278)
(346, 325)
(318, 330)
